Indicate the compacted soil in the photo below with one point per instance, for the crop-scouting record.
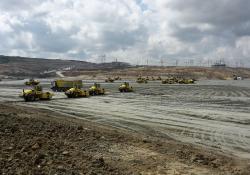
(38, 141)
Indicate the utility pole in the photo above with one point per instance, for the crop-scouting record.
(208, 63)
(176, 63)
(102, 58)
(162, 63)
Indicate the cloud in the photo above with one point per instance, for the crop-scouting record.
(133, 30)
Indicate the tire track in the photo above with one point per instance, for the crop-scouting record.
(215, 116)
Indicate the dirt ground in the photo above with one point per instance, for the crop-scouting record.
(212, 114)
(38, 141)
(184, 72)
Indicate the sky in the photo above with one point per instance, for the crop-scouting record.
(169, 32)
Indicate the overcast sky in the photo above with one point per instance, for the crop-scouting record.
(131, 30)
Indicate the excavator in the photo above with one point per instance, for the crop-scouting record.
(125, 87)
(36, 93)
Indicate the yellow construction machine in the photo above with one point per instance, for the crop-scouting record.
(32, 82)
(125, 87)
(141, 80)
(76, 93)
(172, 80)
(118, 78)
(36, 93)
(186, 81)
(96, 90)
(109, 80)
(64, 85)
(168, 81)
(159, 78)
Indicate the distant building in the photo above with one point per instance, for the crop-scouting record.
(219, 64)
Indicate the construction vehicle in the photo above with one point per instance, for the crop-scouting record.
(165, 81)
(186, 81)
(158, 78)
(118, 78)
(237, 77)
(141, 80)
(64, 85)
(172, 80)
(109, 80)
(125, 87)
(32, 82)
(96, 90)
(76, 93)
(168, 81)
(36, 93)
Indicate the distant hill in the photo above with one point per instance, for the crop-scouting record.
(22, 67)
(15, 66)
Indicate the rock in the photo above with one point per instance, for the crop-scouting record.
(99, 162)
(10, 148)
(201, 159)
(35, 146)
(38, 159)
(50, 162)
(215, 163)
(145, 140)
(61, 168)
(80, 128)
(65, 153)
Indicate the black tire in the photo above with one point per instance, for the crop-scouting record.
(92, 93)
(26, 99)
(29, 98)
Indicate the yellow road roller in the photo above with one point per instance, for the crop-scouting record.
(141, 80)
(118, 78)
(125, 87)
(96, 90)
(158, 78)
(109, 80)
(36, 93)
(76, 93)
(32, 82)
(186, 81)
